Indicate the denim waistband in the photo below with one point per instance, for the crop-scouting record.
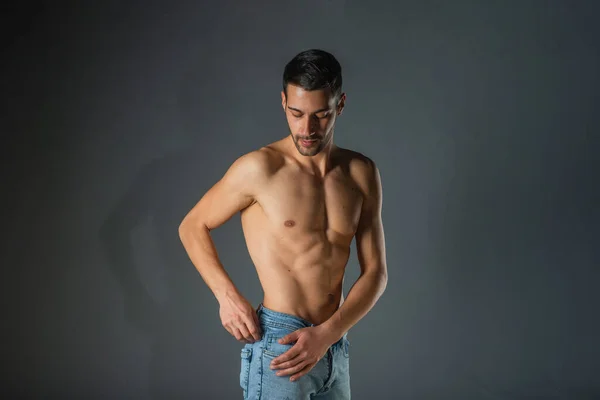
(272, 318)
(277, 320)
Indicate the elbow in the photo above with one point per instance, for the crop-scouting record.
(184, 229)
(188, 227)
(383, 280)
(378, 275)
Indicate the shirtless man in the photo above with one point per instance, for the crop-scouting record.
(302, 200)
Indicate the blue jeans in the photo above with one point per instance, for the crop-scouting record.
(329, 378)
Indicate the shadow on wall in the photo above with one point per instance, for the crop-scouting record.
(164, 297)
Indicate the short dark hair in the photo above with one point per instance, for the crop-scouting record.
(314, 69)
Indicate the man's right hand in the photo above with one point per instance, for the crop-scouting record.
(239, 318)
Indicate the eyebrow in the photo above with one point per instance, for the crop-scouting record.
(318, 111)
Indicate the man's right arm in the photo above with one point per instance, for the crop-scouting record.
(232, 193)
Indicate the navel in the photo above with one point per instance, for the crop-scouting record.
(289, 223)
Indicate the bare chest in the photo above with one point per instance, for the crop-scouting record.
(298, 202)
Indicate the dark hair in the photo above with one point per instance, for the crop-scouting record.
(314, 69)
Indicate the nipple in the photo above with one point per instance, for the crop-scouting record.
(289, 223)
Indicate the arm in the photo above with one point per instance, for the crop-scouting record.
(370, 244)
(234, 192)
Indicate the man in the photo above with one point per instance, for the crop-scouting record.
(302, 201)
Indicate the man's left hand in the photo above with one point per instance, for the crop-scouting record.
(311, 345)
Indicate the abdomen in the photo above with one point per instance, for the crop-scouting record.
(301, 271)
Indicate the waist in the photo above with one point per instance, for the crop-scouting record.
(282, 323)
(308, 307)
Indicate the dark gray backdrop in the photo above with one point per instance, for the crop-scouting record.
(482, 117)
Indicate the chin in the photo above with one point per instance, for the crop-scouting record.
(309, 152)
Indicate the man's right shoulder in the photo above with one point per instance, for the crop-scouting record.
(259, 163)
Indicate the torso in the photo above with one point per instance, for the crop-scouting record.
(299, 231)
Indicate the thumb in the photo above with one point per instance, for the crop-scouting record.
(292, 337)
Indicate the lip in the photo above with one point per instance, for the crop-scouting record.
(308, 143)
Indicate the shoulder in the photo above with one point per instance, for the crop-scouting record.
(259, 163)
(361, 169)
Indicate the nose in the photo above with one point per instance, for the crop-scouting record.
(309, 125)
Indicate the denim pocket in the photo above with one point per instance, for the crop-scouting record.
(273, 348)
(245, 370)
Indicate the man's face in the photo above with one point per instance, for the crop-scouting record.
(311, 116)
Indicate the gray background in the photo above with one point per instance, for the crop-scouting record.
(482, 117)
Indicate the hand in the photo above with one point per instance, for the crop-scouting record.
(311, 345)
(239, 318)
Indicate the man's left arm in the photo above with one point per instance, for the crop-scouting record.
(370, 245)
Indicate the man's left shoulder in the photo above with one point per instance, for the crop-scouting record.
(362, 170)
(359, 166)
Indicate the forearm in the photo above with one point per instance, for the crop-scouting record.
(203, 254)
(361, 298)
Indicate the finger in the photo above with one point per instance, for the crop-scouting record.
(254, 332)
(237, 334)
(293, 370)
(233, 333)
(293, 363)
(242, 325)
(287, 356)
(244, 332)
(292, 337)
(252, 329)
(257, 323)
(228, 329)
(302, 372)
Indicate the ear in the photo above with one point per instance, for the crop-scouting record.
(283, 100)
(341, 104)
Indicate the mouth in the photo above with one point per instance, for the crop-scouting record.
(308, 142)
